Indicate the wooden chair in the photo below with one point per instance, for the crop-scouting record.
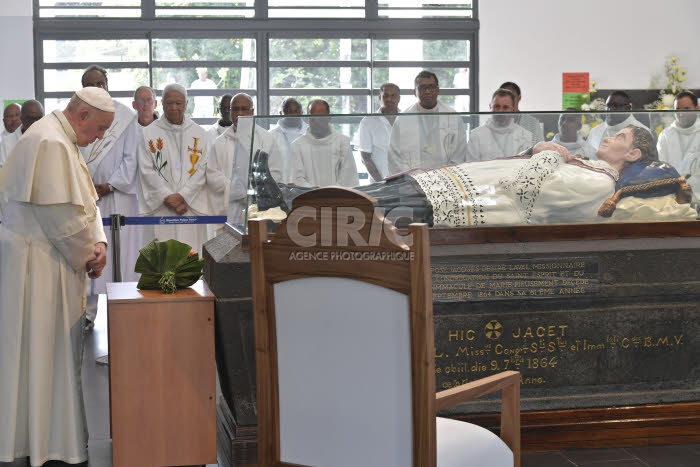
(344, 346)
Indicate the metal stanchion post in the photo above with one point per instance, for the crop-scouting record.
(116, 221)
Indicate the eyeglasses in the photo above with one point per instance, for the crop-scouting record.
(241, 109)
(427, 87)
(616, 106)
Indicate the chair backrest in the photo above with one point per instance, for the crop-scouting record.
(343, 336)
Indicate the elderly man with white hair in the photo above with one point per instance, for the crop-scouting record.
(172, 166)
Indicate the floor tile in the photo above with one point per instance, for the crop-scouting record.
(545, 459)
(668, 456)
(591, 456)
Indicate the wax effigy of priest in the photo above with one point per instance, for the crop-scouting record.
(627, 183)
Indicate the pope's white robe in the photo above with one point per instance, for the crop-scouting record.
(51, 225)
(489, 141)
(322, 162)
(285, 136)
(114, 160)
(229, 163)
(602, 131)
(173, 159)
(8, 143)
(428, 141)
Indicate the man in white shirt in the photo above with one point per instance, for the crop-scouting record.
(10, 119)
(620, 101)
(432, 139)
(113, 165)
(499, 136)
(679, 143)
(203, 105)
(374, 133)
(172, 167)
(224, 121)
(229, 160)
(32, 111)
(289, 128)
(322, 156)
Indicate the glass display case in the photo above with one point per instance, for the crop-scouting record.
(473, 170)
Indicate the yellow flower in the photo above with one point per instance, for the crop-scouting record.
(583, 119)
(594, 124)
(681, 79)
(659, 128)
(673, 59)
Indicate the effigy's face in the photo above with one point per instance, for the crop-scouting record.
(614, 148)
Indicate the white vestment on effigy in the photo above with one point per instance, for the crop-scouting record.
(489, 141)
(518, 191)
(51, 225)
(427, 142)
(173, 159)
(229, 163)
(114, 160)
(323, 161)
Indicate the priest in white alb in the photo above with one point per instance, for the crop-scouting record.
(229, 160)
(113, 165)
(172, 166)
(433, 138)
(322, 156)
(51, 241)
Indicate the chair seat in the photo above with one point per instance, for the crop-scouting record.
(462, 444)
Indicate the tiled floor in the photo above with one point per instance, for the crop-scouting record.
(96, 389)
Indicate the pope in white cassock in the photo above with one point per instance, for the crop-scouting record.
(113, 165)
(679, 143)
(172, 166)
(51, 240)
(433, 139)
(322, 156)
(229, 160)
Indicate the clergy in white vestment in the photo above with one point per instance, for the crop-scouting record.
(430, 140)
(172, 166)
(289, 128)
(51, 241)
(679, 143)
(32, 111)
(499, 136)
(614, 122)
(113, 165)
(529, 122)
(322, 156)
(569, 124)
(229, 160)
(374, 133)
(10, 119)
(224, 122)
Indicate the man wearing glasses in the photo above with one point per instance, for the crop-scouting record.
(617, 101)
(229, 160)
(431, 139)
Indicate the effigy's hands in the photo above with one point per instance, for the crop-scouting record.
(550, 146)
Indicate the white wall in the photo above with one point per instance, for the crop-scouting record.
(17, 51)
(621, 43)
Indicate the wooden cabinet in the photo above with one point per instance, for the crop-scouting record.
(162, 377)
